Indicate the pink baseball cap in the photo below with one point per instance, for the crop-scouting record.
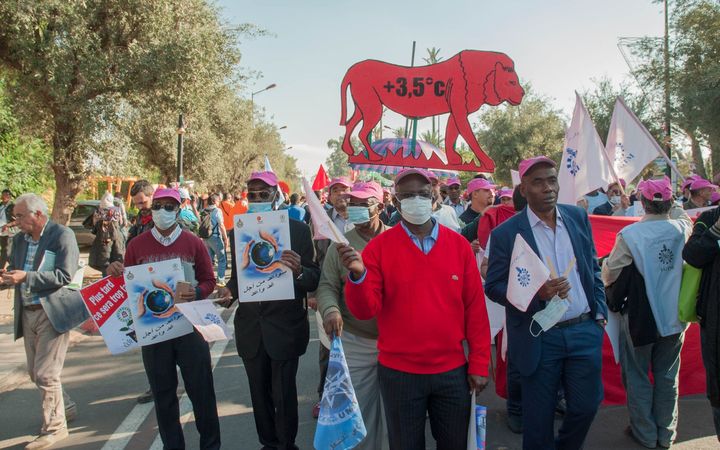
(454, 181)
(623, 183)
(268, 178)
(412, 171)
(715, 197)
(527, 164)
(505, 193)
(341, 181)
(166, 193)
(479, 183)
(689, 180)
(656, 189)
(702, 183)
(367, 189)
(432, 175)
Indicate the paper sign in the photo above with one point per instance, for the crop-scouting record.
(260, 239)
(151, 296)
(204, 316)
(105, 300)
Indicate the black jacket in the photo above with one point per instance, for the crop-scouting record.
(627, 295)
(702, 251)
(281, 326)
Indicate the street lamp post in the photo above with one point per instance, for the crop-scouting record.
(180, 148)
(252, 102)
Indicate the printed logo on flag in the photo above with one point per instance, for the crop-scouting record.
(622, 158)
(214, 318)
(523, 276)
(666, 257)
(571, 164)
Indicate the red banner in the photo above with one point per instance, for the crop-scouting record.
(103, 298)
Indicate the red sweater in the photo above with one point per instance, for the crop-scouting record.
(188, 247)
(492, 218)
(425, 304)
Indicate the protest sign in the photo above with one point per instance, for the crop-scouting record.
(260, 239)
(151, 295)
(105, 300)
(203, 315)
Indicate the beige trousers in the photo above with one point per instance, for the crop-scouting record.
(45, 350)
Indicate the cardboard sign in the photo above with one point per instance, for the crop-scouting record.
(458, 86)
(105, 300)
(260, 239)
(151, 290)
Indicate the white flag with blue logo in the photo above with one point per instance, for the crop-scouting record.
(526, 276)
(340, 425)
(268, 167)
(583, 167)
(629, 144)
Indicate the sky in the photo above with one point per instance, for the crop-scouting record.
(557, 46)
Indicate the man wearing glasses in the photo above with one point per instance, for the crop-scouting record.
(166, 240)
(271, 336)
(454, 199)
(420, 280)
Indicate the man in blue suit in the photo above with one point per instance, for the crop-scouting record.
(568, 353)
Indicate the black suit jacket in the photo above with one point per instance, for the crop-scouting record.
(281, 326)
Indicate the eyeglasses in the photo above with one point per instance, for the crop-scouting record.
(404, 195)
(169, 207)
(264, 195)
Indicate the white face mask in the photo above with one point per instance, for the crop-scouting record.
(416, 210)
(614, 200)
(548, 317)
(258, 207)
(163, 220)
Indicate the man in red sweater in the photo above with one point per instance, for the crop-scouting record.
(166, 240)
(420, 280)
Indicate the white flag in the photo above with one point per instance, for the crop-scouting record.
(322, 225)
(268, 167)
(583, 167)
(515, 175)
(629, 144)
(526, 276)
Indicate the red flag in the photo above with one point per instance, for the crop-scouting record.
(321, 179)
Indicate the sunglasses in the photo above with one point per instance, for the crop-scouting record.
(260, 195)
(167, 207)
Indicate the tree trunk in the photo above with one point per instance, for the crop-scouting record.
(67, 187)
(714, 143)
(697, 155)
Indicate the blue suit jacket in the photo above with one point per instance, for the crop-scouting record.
(523, 348)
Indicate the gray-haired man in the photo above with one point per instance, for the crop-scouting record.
(44, 259)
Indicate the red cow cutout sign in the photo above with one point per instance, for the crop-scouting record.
(458, 86)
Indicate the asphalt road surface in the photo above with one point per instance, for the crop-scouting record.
(105, 388)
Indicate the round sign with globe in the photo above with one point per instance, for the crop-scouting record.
(158, 301)
(262, 254)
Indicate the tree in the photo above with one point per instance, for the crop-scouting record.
(71, 61)
(694, 74)
(512, 133)
(337, 162)
(23, 160)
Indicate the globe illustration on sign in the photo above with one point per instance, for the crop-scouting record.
(158, 301)
(262, 254)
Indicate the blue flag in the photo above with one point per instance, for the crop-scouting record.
(340, 425)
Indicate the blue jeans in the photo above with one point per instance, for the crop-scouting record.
(215, 246)
(653, 407)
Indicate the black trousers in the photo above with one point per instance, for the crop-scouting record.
(192, 354)
(273, 391)
(407, 397)
(5, 250)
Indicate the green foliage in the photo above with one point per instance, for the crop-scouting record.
(337, 161)
(24, 161)
(512, 133)
(694, 74)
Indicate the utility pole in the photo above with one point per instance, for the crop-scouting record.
(180, 133)
(412, 64)
(666, 52)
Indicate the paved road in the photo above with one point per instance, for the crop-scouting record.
(105, 388)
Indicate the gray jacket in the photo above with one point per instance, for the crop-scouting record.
(64, 307)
